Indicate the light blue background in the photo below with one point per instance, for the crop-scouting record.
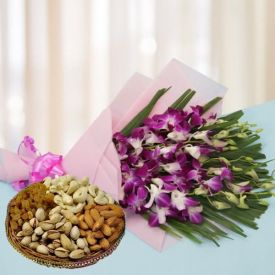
(253, 255)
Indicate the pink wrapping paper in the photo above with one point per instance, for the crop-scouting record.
(94, 154)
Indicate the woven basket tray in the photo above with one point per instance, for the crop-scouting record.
(51, 260)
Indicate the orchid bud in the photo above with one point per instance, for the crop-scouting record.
(259, 130)
(225, 160)
(252, 173)
(242, 204)
(264, 202)
(220, 205)
(203, 158)
(249, 159)
(200, 191)
(222, 134)
(236, 169)
(242, 135)
(231, 142)
(218, 143)
(220, 121)
(231, 197)
(233, 148)
(268, 186)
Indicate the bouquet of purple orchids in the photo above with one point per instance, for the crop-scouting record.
(191, 173)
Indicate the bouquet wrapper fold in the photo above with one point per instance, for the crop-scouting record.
(94, 155)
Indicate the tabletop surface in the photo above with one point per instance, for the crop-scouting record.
(253, 255)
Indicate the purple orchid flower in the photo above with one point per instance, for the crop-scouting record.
(213, 184)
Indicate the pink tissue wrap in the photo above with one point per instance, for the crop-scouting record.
(94, 154)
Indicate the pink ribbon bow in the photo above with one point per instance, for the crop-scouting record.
(39, 166)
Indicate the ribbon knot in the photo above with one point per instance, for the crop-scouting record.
(40, 166)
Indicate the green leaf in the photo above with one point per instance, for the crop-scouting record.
(183, 100)
(210, 104)
(233, 116)
(144, 113)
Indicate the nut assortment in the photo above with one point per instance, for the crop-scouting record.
(65, 218)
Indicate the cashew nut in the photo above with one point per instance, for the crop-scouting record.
(74, 185)
(75, 208)
(80, 195)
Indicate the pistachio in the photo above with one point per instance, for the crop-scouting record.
(42, 249)
(27, 229)
(55, 218)
(85, 241)
(46, 225)
(77, 254)
(20, 234)
(53, 234)
(33, 222)
(56, 243)
(40, 214)
(80, 195)
(61, 252)
(38, 231)
(61, 223)
(81, 243)
(34, 237)
(66, 242)
(66, 228)
(33, 245)
(74, 245)
(75, 233)
(51, 246)
(55, 210)
(74, 185)
(67, 214)
(26, 240)
(44, 236)
(87, 250)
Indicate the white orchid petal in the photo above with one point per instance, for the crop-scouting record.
(154, 191)
(177, 199)
(171, 167)
(161, 212)
(194, 151)
(157, 181)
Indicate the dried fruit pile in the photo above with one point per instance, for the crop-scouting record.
(66, 218)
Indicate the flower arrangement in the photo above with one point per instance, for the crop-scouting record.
(191, 173)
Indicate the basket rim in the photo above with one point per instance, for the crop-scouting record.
(51, 260)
